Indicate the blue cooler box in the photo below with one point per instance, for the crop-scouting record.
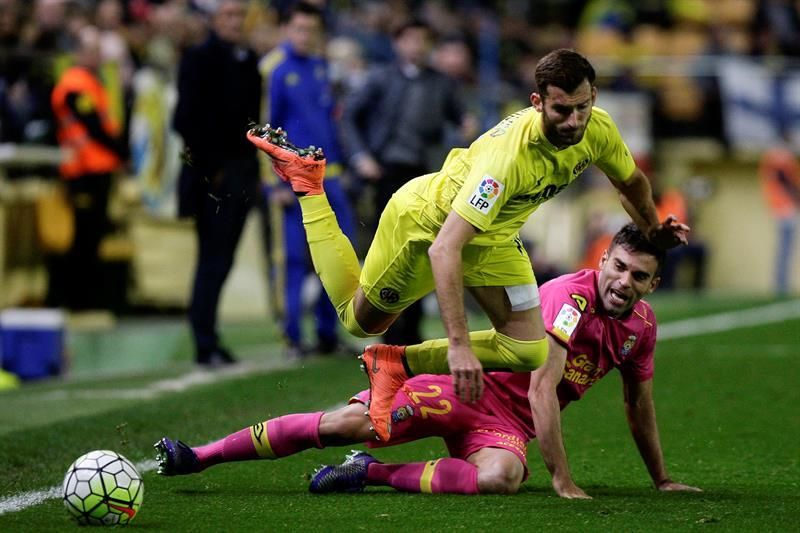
(32, 342)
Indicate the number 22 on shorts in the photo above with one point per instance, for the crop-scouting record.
(417, 398)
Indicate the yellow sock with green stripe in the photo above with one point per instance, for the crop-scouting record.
(334, 259)
(494, 350)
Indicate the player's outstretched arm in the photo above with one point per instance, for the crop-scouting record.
(641, 413)
(636, 197)
(547, 421)
(445, 256)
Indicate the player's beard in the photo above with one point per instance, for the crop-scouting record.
(563, 137)
(571, 137)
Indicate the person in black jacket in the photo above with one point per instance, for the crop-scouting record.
(219, 95)
(390, 125)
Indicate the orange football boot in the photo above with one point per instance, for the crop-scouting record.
(303, 173)
(383, 364)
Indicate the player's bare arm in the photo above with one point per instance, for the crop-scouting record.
(547, 421)
(445, 256)
(641, 413)
(636, 197)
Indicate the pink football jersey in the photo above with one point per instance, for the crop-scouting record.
(595, 343)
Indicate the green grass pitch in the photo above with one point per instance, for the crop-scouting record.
(727, 406)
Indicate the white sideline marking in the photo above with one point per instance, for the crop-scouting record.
(28, 499)
(170, 385)
(195, 378)
(22, 501)
(757, 316)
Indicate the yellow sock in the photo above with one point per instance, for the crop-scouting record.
(494, 350)
(334, 258)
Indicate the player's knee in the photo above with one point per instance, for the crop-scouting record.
(358, 323)
(355, 329)
(535, 354)
(524, 356)
(499, 480)
(352, 325)
(346, 425)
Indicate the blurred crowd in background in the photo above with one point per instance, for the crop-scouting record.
(491, 43)
(670, 52)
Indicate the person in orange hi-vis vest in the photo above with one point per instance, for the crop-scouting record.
(779, 171)
(92, 151)
(672, 201)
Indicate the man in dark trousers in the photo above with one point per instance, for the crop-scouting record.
(392, 122)
(218, 96)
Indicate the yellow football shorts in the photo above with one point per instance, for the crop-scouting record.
(397, 270)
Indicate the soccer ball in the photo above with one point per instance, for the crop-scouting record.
(103, 488)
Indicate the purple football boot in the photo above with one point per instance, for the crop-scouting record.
(350, 476)
(175, 458)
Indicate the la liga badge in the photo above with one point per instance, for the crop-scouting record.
(486, 194)
(566, 321)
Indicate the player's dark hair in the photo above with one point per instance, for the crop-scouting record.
(412, 23)
(632, 239)
(303, 8)
(564, 68)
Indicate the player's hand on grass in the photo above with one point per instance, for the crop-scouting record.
(669, 233)
(467, 373)
(566, 488)
(670, 486)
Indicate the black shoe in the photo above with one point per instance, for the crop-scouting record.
(215, 358)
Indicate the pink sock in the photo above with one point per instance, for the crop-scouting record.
(453, 476)
(279, 437)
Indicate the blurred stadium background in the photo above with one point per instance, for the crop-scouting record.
(701, 90)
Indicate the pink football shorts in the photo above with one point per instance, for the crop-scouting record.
(426, 406)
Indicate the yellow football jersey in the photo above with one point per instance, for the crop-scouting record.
(510, 170)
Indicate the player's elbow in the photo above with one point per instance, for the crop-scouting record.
(437, 251)
(543, 397)
(446, 246)
(638, 408)
(538, 394)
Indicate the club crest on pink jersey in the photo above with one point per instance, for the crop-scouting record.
(628, 346)
(402, 413)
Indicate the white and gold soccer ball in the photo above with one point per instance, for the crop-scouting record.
(103, 488)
